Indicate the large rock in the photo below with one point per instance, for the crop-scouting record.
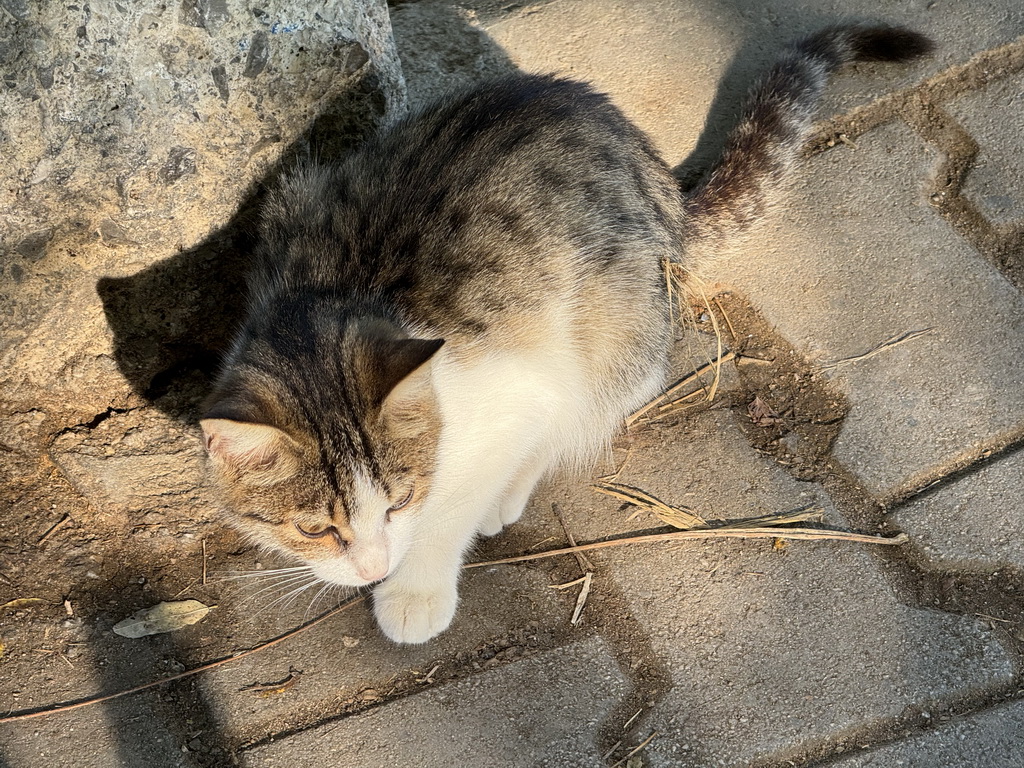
(137, 136)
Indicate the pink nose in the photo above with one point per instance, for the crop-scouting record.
(372, 571)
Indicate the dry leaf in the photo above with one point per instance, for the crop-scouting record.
(22, 603)
(163, 617)
(762, 414)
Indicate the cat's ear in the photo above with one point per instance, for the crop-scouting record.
(257, 454)
(402, 369)
(407, 407)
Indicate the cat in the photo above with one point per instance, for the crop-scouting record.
(468, 302)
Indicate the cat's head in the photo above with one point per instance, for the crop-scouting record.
(323, 445)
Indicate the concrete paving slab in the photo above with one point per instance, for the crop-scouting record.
(773, 651)
(544, 711)
(350, 656)
(993, 739)
(996, 182)
(665, 62)
(860, 257)
(974, 522)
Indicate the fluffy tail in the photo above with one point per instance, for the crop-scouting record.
(774, 126)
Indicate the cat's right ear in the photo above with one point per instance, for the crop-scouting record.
(257, 454)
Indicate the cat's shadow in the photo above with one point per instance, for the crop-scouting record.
(172, 322)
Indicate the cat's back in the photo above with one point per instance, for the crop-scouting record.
(491, 201)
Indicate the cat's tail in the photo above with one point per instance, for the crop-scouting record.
(775, 123)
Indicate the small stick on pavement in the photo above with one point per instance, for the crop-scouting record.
(892, 341)
(807, 534)
(667, 395)
(53, 529)
(636, 749)
(581, 559)
(582, 599)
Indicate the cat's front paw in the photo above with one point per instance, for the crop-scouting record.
(413, 615)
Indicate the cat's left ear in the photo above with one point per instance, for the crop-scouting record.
(404, 371)
(256, 453)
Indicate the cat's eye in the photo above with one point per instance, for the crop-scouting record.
(314, 534)
(403, 502)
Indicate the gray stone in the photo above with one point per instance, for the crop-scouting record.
(134, 130)
(544, 711)
(775, 651)
(974, 522)
(443, 49)
(860, 257)
(990, 739)
(996, 182)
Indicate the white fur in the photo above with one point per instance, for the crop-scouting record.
(507, 420)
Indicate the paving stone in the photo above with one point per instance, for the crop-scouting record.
(990, 739)
(774, 651)
(996, 181)
(350, 655)
(127, 733)
(543, 711)
(665, 62)
(972, 522)
(839, 276)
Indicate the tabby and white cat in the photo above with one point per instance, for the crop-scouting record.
(471, 300)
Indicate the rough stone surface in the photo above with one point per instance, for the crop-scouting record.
(443, 49)
(772, 651)
(972, 522)
(133, 132)
(993, 739)
(996, 182)
(838, 278)
(529, 714)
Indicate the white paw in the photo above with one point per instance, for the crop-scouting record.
(512, 510)
(413, 616)
(491, 525)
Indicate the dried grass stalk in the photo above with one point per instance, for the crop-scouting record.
(677, 517)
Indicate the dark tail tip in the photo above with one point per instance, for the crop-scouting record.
(884, 43)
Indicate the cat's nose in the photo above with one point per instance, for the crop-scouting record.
(371, 565)
(372, 572)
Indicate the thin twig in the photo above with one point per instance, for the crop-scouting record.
(612, 750)
(678, 517)
(53, 529)
(728, 322)
(636, 749)
(668, 394)
(204, 562)
(581, 559)
(630, 721)
(893, 341)
(187, 673)
(809, 534)
(582, 599)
